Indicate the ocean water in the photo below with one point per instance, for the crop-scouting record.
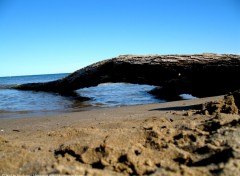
(16, 103)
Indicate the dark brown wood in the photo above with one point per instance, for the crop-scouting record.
(200, 74)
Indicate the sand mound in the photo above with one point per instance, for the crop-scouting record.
(160, 146)
(226, 105)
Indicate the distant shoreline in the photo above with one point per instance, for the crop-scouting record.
(32, 75)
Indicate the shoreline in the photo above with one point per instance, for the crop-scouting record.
(153, 139)
(142, 109)
(5, 114)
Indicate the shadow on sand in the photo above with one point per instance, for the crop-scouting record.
(178, 108)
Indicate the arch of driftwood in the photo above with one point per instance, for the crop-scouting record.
(199, 74)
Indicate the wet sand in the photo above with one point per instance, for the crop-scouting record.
(155, 139)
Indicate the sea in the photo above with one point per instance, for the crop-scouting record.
(18, 103)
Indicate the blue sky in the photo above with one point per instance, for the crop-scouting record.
(61, 36)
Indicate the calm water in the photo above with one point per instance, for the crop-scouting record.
(16, 103)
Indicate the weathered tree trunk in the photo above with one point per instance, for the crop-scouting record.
(200, 75)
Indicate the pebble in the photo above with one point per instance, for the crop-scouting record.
(188, 113)
(24, 146)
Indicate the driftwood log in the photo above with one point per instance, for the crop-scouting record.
(200, 74)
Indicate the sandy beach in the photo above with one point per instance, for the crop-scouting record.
(155, 139)
(119, 88)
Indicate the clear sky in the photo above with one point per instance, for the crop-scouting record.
(61, 36)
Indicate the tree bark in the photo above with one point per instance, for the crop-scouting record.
(200, 74)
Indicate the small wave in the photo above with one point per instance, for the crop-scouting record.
(9, 111)
(4, 111)
(8, 86)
